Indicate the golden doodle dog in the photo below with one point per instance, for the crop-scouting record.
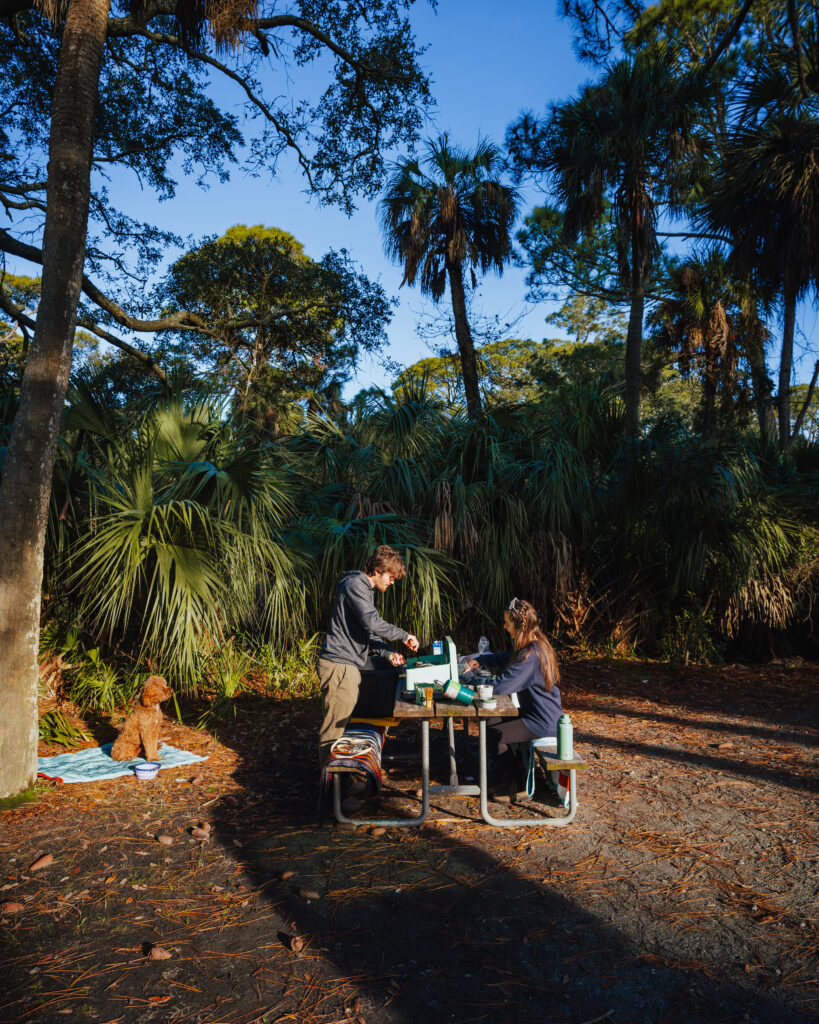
(140, 729)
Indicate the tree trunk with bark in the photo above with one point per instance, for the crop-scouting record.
(26, 483)
(755, 353)
(783, 398)
(463, 335)
(634, 366)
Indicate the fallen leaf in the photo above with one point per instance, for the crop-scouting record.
(205, 826)
(109, 879)
(158, 953)
(309, 894)
(296, 943)
(11, 908)
(286, 874)
(200, 834)
(197, 780)
(231, 800)
(379, 831)
(42, 862)
(726, 746)
(165, 840)
(159, 999)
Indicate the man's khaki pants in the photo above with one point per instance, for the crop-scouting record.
(339, 691)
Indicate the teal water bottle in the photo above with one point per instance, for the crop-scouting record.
(565, 747)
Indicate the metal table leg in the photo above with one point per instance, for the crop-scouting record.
(393, 822)
(453, 762)
(454, 788)
(512, 822)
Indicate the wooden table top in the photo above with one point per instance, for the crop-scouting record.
(449, 709)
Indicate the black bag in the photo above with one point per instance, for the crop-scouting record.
(376, 695)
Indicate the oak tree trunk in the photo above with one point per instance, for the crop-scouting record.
(463, 335)
(26, 484)
(783, 398)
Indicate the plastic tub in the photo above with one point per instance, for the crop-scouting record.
(146, 770)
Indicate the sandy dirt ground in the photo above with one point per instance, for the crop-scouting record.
(685, 891)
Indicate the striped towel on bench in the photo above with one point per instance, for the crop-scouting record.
(359, 749)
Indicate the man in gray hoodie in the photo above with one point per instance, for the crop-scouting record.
(355, 627)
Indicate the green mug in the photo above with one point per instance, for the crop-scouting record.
(459, 693)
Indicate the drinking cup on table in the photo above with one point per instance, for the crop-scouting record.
(428, 694)
(485, 691)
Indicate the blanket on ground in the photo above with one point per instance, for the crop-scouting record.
(359, 749)
(95, 764)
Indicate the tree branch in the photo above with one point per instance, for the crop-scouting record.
(131, 350)
(727, 39)
(182, 320)
(25, 321)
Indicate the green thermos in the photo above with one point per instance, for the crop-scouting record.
(565, 747)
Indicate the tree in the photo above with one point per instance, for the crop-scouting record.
(764, 196)
(708, 322)
(631, 139)
(280, 328)
(584, 318)
(450, 211)
(371, 103)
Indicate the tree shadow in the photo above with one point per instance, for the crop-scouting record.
(448, 922)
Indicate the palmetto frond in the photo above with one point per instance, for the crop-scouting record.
(765, 196)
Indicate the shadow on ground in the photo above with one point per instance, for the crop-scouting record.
(274, 918)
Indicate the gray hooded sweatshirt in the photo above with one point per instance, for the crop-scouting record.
(355, 626)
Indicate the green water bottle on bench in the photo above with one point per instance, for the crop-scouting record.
(565, 746)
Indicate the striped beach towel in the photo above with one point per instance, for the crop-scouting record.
(359, 749)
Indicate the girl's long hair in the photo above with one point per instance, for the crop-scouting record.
(530, 635)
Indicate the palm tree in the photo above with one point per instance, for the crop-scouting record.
(708, 321)
(445, 212)
(765, 196)
(631, 141)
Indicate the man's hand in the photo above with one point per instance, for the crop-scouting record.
(397, 659)
(411, 642)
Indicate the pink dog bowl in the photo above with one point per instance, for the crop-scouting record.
(146, 770)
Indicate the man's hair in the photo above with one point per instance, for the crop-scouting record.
(386, 559)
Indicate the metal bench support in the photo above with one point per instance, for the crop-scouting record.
(516, 822)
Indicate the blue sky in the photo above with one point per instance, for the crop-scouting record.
(486, 63)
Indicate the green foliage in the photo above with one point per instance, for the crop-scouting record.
(185, 534)
(279, 328)
(96, 684)
(290, 671)
(55, 728)
(225, 670)
(690, 639)
(175, 534)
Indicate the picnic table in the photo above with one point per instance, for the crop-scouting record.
(449, 711)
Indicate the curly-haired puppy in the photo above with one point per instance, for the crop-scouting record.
(141, 728)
